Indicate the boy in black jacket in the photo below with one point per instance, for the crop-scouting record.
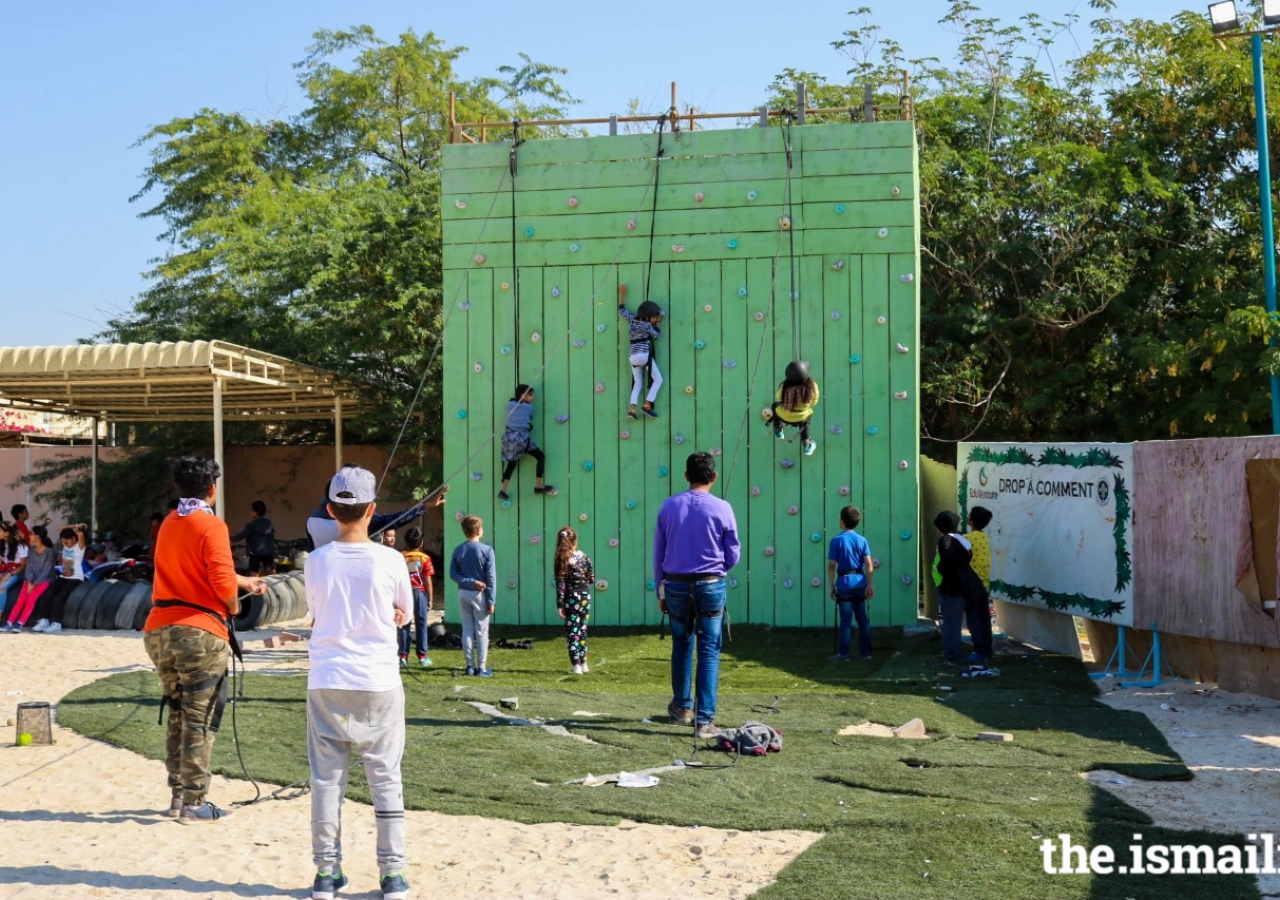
(959, 583)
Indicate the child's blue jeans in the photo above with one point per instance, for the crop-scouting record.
(849, 610)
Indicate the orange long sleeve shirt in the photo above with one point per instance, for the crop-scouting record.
(193, 564)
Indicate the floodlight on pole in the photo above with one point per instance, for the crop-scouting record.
(1223, 17)
(1271, 12)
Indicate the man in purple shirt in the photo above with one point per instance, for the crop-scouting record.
(695, 544)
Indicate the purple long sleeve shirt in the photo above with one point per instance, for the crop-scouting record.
(697, 534)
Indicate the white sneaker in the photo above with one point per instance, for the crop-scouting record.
(577, 670)
(809, 447)
(585, 670)
(54, 628)
(41, 625)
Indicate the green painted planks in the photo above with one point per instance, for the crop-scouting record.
(868, 213)
(678, 170)
(760, 448)
(605, 453)
(632, 200)
(454, 429)
(533, 537)
(864, 162)
(875, 405)
(634, 481)
(814, 318)
(856, 188)
(737, 417)
(503, 531)
(662, 475)
(904, 490)
(555, 390)
(839, 395)
(860, 136)
(482, 412)
(789, 585)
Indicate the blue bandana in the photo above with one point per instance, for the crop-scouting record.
(188, 505)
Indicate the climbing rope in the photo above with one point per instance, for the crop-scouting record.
(653, 212)
(516, 141)
(791, 239)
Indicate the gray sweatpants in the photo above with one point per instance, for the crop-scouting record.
(371, 724)
(473, 608)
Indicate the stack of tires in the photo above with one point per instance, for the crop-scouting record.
(108, 605)
(283, 601)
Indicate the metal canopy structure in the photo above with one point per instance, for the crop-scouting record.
(172, 382)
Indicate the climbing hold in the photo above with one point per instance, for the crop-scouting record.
(905, 534)
(755, 491)
(476, 476)
(742, 292)
(880, 320)
(733, 582)
(707, 308)
(679, 438)
(732, 244)
(462, 414)
(688, 389)
(844, 490)
(478, 368)
(883, 232)
(855, 359)
(624, 434)
(459, 515)
(631, 504)
(601, 328)
(785, 223)
(479, 259)
(906, 579)
(816, 537)
(895, 190)
(899, 395)
(588, 465)
(535, 539)
(536, 337)
(663, 471)
(836, 429)
(506, 504)
(461, 204)
(903, 348)
(793, 510)
(602, 585)
(677, 248)
(871, 429)
(699, 197)
(838, 265)
(908, 278)
(528, 232)
(730, 363)
(555, 291)
(699, 345)
(613, 542)
(599, 387)
(506, 285)
(760, 317)
(573, 201)
(511, 584)
(464, 306)
(903, 464)
(752, 195)
(788, 463)
(795, 295)
(573, 248)
(580, 342)
(835, 315)
(560, 420)
(766, 413)
(650, 585)
(506, 350)
(875, 562)
(582, 517)
(788, 583)
(815, 581)
(768, 551)
(716, 451)
(631, 225)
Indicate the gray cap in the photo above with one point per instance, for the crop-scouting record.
(353, 484)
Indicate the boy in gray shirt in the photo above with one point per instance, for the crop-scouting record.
(475, 572)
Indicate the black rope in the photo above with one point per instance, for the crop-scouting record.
(515, 270)
(653, 213)
(791, 242)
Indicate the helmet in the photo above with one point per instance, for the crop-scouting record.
(798, 371)
(648, 310)
(436, 631)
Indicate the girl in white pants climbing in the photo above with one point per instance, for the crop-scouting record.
(641, 333)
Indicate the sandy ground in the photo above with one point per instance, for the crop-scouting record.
(81, 818)
(1232, 744)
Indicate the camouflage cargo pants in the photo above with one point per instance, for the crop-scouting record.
(191, 664)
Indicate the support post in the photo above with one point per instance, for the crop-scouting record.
(337, 432)
(93, 483)
(802, 101)
(613, 126)
(764, 116)
(221, 505)
(1268, 227)
(868, 103)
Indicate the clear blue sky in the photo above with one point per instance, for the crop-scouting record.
(83, 80)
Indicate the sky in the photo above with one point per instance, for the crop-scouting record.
(82, 81)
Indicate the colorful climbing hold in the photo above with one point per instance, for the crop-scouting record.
(663, 471)
(793, 510)
(880, 320)
(506, 350)
(766, 413)
(755, 491)
(903, 348)
(816, 537)
(573, 201)
(511, 585)
(883, 232)
(845, 490)
(601, 328)
(679, 438)
(602, 585)
(836, 429)
(580, 342)
(479, 259)
(768, 551)
(462, 414)
(506, 504)
(732, 244)
(459, 515)
(760, 317)
(464, 306)
(476, 476)
(707, 308)
(582, 517)
(536, 337)
(871, 429)
(688, 389)
(855, 359)
(461, 204)
(838, 265)
(528, 232)
(839, 209)
(906, 579)
(895, 190)
(677, 248)
(631, 225)
(562, 419)
(875, 562)
(905, 534)
(506, 285)
(599, 387)
(785, 223)
(903, 464)
(573, 248)
(787, 463)
(613, 542)
(624, 434)
(815, 581)
(478, 368)
(742, 292)
(899, 395)
(733, 582)
(699, 197)
(535, 539)
(699, 345)
(717, 451)
(650, 585)
(753, 195)
(730, 363)
(587, 465)
(788, 584)
(555, 291)
(631, 504)
(908, 278)
(835, 315)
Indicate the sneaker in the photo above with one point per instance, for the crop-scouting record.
(503, 495)
(585, 670)
(648, 411)
(41, 625)
(631, 414)
(53, 628)
(839, 657)
(175, 806)
(203, 814)
(7, 627)
(682, 716)
(485, 673)
(577, 670)
(709, 731)
(549, 489)
(808, 447)
(867, 656)
(424, 661)
(404, 662)
(780, 434)
(326, 885)
(394, 887)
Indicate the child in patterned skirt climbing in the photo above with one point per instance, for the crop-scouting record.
(643, 331)
(517, 440)
(574, 575)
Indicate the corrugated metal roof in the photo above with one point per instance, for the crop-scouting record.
(168, 382)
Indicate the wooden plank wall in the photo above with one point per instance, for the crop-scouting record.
(1191, 519)
(722, 268)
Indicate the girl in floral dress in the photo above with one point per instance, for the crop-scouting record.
(574, 575)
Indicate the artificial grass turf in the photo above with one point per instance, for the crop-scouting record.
(975, 811)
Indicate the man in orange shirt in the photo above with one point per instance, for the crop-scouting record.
(196, 591)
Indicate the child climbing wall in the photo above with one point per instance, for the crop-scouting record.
(581, 211)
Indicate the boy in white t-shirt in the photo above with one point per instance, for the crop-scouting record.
(358, 593)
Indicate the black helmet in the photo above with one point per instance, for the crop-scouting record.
(648, 310)
(798, 371)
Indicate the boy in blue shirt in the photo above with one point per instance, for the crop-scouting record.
(849, 570)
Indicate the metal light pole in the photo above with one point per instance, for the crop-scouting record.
(1226, 23)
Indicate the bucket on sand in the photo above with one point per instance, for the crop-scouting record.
(36, 719)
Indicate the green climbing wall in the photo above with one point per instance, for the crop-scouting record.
(722, 268)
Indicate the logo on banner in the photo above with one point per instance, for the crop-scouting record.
(1104, 491)
(982, 476)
